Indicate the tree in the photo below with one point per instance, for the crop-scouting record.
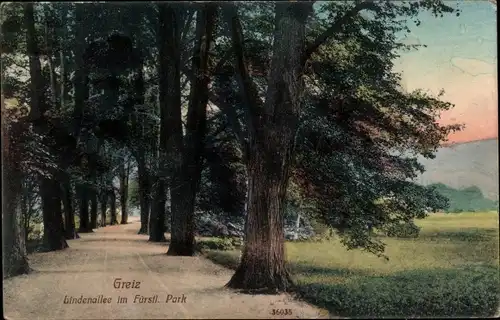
(54, 238)
(104, 203)
(93, 209)
(182, 241)
(112, 198)
(82, 194)
(124, 179)
(15, 258)
(170, 144)
(272, 126)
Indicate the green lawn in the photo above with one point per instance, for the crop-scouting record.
(451, 269)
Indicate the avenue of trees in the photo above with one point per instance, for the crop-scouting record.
(230, 107)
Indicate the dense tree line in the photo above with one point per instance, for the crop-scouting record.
(468, 199)
(234, 108)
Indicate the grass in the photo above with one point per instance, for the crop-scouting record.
(451, 269)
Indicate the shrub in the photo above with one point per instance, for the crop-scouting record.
(321, 231)
(222, 244)
(402, 230)
(227, 259)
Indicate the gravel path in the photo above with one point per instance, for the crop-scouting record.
(91, 266)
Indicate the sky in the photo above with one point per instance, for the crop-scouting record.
(461, 58)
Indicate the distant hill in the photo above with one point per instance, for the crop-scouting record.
(466, 199)
(465, 165)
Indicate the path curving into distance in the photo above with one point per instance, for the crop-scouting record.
(91, 266)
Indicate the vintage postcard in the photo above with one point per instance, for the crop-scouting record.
(250, 160)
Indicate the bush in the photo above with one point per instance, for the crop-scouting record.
(227, 259)
(321, 231)
(403, 230)
(35, 232)
(223, 244)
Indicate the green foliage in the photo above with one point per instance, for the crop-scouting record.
(133, 192)
(420, 293)
(223, 244)
(230, 261)
(223, 185)
(402, 230)
(360, 131)
(468, 199)
(321, 231)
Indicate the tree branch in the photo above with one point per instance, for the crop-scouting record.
(228, 110)
(249, 91)
(232, 118)
(335, 27)
(218, 67)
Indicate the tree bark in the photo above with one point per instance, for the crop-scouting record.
(112, 199)
(15, 257)
(53, 228)
(69, 213)
(93, 209)
(84, 211)
(170, 144)
(124, 192)
(81, 73)
(157, 217)
(51, 195)
(104, 204)
(37, 94)
(262, 265)
(144, 201)
(25, 209)
(182, 240)
(49, 45)
(62, 57)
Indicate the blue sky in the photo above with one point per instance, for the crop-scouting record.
(461, 58)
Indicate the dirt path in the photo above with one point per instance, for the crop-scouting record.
(91, 265)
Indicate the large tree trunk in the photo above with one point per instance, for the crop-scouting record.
(84, 210)
(262, 265)
(80, 79)
(182, 240)
(62, 56)
(69, 213)
(124, 175)
(93, 209)
(50, 191)
(112, 199)
(37, 95)
(144, 200)
(104, 204)
(15, 257)
(53, 228)
(49, 44)
(170, 111)
(25, 211)
(26, 205)
(157, 217)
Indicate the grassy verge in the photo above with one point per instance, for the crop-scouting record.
(451, 269)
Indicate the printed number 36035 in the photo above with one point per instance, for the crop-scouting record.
(281, 312)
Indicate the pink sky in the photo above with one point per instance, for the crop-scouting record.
(461, 58)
